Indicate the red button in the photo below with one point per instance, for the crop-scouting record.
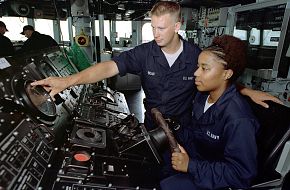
(81, 157)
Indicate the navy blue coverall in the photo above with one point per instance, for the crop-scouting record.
(37, 41)
(6, 46)
(170, 89)
(221, 145)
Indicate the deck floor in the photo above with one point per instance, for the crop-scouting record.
(134, 100)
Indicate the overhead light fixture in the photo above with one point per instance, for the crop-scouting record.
(121, 7)
(118, 16)
(147, 16)
(130, 12)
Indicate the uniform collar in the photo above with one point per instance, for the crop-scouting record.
(228, 94)
(35, 33)
(158, 52)
(156, 49)
(185, 56)
(217, 108)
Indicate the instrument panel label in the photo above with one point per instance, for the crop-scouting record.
(4, 63)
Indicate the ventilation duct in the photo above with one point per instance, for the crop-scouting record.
(21, 9)
(79, 8)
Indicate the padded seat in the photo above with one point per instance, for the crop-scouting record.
(273, 140)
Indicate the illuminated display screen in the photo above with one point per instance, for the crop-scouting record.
(47, 70)
(61, 64)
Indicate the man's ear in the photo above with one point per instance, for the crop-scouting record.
(228, 74)
(177, 27)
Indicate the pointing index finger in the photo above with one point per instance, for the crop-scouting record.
(39, 82)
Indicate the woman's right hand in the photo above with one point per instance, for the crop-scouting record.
(180, 160)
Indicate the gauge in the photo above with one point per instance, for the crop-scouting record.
(47, 70)
(35, 99)
(40, 99)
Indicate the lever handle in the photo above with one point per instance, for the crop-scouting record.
(160, 121)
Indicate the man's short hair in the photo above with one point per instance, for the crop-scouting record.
(167, 7)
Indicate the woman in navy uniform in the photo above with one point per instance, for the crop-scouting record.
(220, 150)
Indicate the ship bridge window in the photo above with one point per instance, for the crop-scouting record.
(124, 29)
(64, 30)
(147, 34)
(106, 28)
(44, 26)
(14, 26)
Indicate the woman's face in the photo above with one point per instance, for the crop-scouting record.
(211, 74)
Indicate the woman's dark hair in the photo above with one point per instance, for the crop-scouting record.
(232, 50)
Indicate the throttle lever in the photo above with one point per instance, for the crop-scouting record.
(160, 121)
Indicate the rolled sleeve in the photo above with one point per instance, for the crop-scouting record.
(132, 61)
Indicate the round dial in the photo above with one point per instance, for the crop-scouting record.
(36, 100)
(40, 99)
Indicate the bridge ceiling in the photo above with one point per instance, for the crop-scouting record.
(112, 9)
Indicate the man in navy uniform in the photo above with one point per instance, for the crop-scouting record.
(35, 41)
(6, 46)
(165, 65)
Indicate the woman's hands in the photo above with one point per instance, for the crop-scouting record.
(180, 160)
